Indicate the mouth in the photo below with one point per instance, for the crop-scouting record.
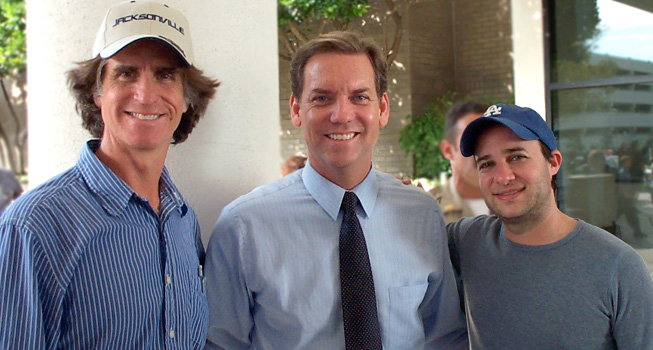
(340, 137)
(509, 194)
(140, 116)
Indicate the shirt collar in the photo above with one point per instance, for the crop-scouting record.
(329, 195)
(113, 193)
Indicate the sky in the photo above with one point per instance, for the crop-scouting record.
(627, 31)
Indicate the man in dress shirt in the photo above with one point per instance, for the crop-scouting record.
(108, 254)
(272, 266)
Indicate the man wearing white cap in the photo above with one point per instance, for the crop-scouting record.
(108, 254)
(533, 277)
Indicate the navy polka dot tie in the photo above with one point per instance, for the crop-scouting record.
(356, 283)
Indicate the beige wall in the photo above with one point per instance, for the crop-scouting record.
(236, 145)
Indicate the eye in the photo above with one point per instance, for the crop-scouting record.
(167, 74)
(484, 165)
(361, 98)
(319, 99)
(125, 74)
(517, 157)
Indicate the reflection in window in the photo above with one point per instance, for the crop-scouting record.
(590, 37)
(601, 95)
(607, 153)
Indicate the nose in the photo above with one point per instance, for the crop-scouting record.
(145, 89)
(343, 111)
(503, 173)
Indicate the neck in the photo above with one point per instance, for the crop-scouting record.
(466, 190)
(140, 170)
(552, 226)
(347, 177)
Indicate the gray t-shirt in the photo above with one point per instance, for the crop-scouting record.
(589, 290)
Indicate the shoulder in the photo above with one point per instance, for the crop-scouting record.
(390, 186)
(604, 245)
(474, 227)
(283, 191)
(53, 195)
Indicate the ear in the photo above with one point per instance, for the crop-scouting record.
(384, 107)
(295, 118)
(97, 100)
(447, 149)
(555, 162)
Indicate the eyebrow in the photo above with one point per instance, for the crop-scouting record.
(320, 91)
(358, 91)
(505, 151)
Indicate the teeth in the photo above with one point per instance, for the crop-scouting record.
(341, 136)
(144, 116)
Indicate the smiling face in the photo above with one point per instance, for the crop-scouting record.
(142, 98)
(340, 115)
(514, 176)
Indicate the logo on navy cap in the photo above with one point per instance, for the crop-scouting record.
(493, 110)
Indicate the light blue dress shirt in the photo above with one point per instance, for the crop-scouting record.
(85, 263)
(272, 267)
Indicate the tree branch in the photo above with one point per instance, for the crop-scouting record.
(297, 32)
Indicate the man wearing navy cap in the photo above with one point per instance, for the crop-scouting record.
(533, 277)
(107, 255)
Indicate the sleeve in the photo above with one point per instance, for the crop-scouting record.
(452, 234)
(632, 297)
(21, 310)
(445, 324)
(230, 302)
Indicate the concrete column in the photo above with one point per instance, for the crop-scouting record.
(528, 50)
(232, 150)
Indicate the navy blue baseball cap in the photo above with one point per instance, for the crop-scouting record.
(523, 121)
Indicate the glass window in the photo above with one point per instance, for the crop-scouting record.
(601, 103)
(606, 139)
(600, 39)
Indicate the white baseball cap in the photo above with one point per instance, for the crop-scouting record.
(133, 20)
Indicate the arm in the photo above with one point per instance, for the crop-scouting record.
(445, 323)
(455, 260)
(632, 294)
(21, 309)
(230, 302)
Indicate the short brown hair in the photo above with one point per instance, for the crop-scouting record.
(546, 152)
(457, 112)
(339, 42)
(85, 82)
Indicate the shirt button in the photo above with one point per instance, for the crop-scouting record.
(171, 333)
(168, 279)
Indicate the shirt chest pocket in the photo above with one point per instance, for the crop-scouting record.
(403, 324)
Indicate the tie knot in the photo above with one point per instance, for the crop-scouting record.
(349, 202)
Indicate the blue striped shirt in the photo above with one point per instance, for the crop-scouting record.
(85, 263)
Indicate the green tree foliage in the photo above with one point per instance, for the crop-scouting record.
(422, 136)
(301, 20)
(339, 11)
(12, 37)
(295, 18)
(13, 59)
